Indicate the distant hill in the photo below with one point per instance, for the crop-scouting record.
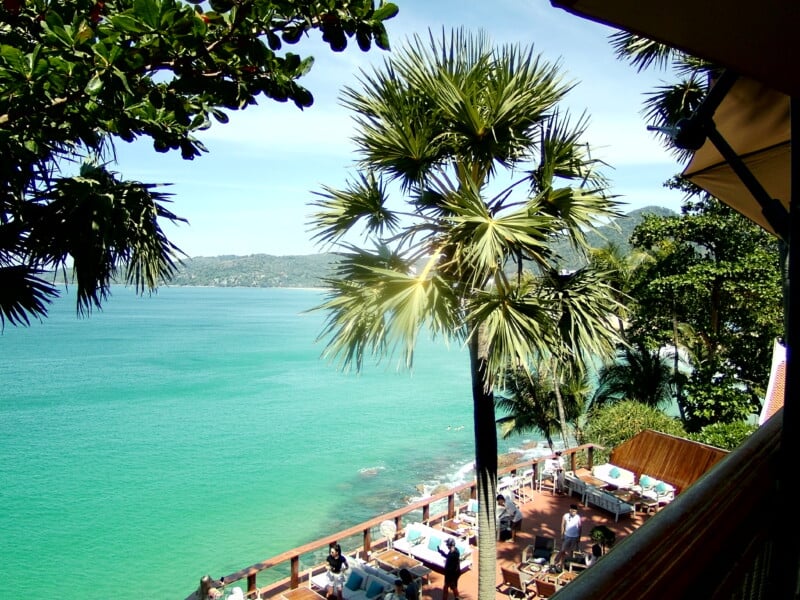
(265, 270)
(255, 270)
(618, 231)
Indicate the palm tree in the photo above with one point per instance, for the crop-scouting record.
(443, 120)
(583, 305)
(528, 400)
(638, 374)
(620, 267)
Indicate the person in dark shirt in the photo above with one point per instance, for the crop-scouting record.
(411, 590)
(452, 568)
(337, 565)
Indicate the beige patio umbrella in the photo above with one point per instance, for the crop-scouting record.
(755, 123)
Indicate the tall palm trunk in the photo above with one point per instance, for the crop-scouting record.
(485, 465)
(562, 414)
(676, 362)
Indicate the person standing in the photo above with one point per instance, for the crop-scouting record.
(555, 467)
(452, 568)
(337, 565)
(571, 530)
(508, 516)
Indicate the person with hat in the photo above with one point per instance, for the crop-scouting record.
(452, 568)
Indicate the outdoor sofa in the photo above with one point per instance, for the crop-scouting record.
(655, 489)
(423, 542)
(607, 502)
(363, 582)
(614, 475)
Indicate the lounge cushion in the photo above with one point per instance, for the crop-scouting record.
(661, 487)
(645, 481)
(434, 542)
(614, 473)
(413, 535)
(375, 588)
(353, 581)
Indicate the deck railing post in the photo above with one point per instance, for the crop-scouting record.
(367, 543)
(206, 583)
(451, 506)
(251, 584)
(295, 572)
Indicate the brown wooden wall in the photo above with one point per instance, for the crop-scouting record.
(672, 459)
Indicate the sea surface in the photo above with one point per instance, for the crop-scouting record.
(197, 431)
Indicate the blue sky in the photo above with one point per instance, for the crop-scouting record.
(250, 193)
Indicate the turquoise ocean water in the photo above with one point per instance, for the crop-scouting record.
(197, 431)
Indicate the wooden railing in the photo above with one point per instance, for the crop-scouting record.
(360, 537)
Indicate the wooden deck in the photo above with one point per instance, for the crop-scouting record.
(543, 516)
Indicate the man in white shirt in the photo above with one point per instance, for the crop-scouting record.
(571, 530)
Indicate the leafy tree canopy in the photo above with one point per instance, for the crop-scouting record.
(718, 273)
(76, 76)
(727, 436)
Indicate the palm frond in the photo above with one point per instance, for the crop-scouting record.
(641, 52)
(585, 305)
(377, 305)
(339, 211)
(23, 295)
(515, 321)
(105, 225)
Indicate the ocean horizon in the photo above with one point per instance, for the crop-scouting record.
(197, 431)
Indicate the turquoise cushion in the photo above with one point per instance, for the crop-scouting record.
(614, 473)
(463, 549)
(374, 589)
(414, 534)
(354, 581)
(433, 542)
(645, 481)
(661, 487)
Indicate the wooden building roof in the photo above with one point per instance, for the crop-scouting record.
(670, 458)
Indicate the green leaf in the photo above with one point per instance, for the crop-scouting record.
(149, 11)
(13, 57)
(381, 38)
(387, 11)
(124, 79)
(220, 115)
(128, 24)
(94, 86)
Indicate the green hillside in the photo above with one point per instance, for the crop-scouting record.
(265, 270)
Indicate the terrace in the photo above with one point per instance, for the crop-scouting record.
(542, 514)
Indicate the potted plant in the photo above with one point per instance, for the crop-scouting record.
(603, 536)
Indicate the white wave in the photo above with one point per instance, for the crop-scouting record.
(371, 471)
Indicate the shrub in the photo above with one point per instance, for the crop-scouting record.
(724, 435)
(614, 424)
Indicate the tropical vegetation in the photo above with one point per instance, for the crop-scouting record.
(79, 76)
(444, 124)
(616, 423)
(699, 294)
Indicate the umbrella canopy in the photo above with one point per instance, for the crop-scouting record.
(756, 123)
(756, 39)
